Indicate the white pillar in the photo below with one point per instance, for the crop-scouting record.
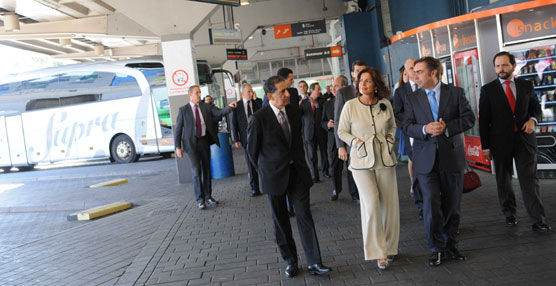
(180, 67)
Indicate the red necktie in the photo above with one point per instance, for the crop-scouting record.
(198, 124)
(511, 99)
(313, 106)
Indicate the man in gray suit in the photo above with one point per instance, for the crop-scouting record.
(194, 133)
(436, 116)
(342, 96)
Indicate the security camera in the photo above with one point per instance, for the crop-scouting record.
(263, 32)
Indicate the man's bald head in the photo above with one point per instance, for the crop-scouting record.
(409, 64)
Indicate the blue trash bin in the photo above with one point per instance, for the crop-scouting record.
(221, 159)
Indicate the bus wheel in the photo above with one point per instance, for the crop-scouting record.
(123, 150)
(26, 168)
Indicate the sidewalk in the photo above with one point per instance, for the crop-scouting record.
(168, 241)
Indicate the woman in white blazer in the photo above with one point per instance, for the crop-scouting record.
(367, 124)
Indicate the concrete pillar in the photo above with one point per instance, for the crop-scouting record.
(180, 66)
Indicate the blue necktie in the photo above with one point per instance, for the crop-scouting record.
(434, 104)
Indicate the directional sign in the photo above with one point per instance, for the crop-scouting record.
(320, 53)
(299, 29)
(225, 37)
(236, 54)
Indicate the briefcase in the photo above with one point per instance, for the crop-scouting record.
(471, 180)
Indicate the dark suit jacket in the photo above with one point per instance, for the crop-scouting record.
(239, 122)
(327, 115)
(454, 109)
(496, 121)
(185, 133)
(400, 96)
(311, 120)
(294, 97)
(270, 152)
(342, 96)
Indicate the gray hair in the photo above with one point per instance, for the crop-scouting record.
(343, 80)
(243, 86)
(191, 88)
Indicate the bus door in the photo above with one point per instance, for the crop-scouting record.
(14, 128)
(4, 147)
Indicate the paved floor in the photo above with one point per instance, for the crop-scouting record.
(166, 240)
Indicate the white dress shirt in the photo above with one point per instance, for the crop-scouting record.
(204, 127)
(246, 107)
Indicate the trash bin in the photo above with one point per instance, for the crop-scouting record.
(221, 159)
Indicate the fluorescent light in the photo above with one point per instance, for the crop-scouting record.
(250, 38)
(244, 2)
(11, 22)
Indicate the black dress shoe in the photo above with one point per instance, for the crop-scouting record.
(318, 269)
(291, 270)
(541, 227)
(435, 258)
(420, 215)
(453, 253)
(334, 196)
(511, 221)
(254, 193)
(316, 180)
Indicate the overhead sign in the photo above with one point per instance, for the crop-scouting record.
(463, 36)
(526, 24)
(425, 44)
(299, 29)
(236, 54)
(441, 42)
(320, 53)
(225, 37)
(221, 2)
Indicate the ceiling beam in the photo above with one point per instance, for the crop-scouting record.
(115, 25)
(141, 51)
(69, 9)
(95, 5)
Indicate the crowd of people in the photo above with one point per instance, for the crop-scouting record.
(357, 124)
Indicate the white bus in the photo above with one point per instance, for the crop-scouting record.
(117, 110)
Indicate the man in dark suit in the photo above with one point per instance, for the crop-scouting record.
(327, 122)
(436, 116)
(400, 99)
(508, 112)
(276, 149)
(287, 74)
(245, 108)
(314, 133)
(194, 133)
(342, 96)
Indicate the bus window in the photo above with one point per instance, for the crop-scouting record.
(160, 97)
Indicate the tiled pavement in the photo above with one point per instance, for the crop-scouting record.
(168, 241)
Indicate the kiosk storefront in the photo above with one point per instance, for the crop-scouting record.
(527, 30)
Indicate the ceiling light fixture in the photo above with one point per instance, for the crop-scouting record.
(99, 50)
(11, 22)
(244, 2)
(65, 42)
